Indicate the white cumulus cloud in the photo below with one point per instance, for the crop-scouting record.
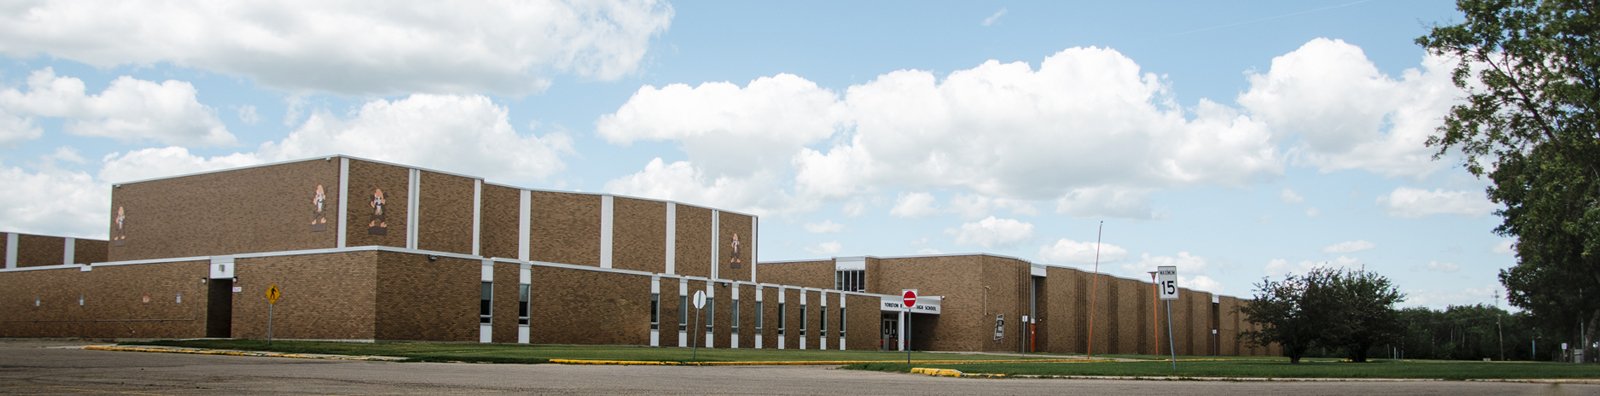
(129, 109)
(1348, 247)
(993, 232)
(1505, 246)
(1409, 202)
(350, 47)
(1289, 196)
(1070, 251)
(825, 248)
(1346, 114)
(917, 204)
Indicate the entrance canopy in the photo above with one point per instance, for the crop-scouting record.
(925, 304)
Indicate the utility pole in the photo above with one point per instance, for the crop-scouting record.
(1497, 328)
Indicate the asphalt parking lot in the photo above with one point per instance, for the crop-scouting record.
(60, 367)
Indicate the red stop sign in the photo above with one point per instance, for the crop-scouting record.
(910, 298)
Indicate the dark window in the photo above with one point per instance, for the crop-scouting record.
(655, 311)
(759, 317)
(802, 319)
(842, 322)
(782, 317)
(486, 302)
(711, 313)
(736, 317)
(850, 280)
(683, 313)
(522, 304)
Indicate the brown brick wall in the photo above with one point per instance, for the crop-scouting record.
(504, 313)
(444, 214)
(728, 226)
(1098, 305)
(432, 301)
(1228, 325)
(747, 315)
(817, 274)
(39, 250)
(324, 296)
(769, 317)
(670, 311)
(964, 326)
(639, 235)
(365, 179)
(502, 208)
(114, 302)
(1007, 281)
(86, 251)
(608, 308)
(1131, 329)
(723, 324)
(693, 248)
(1064, 315)
(865, 319)
(1198, 310)
(258, 209)
(565, 229)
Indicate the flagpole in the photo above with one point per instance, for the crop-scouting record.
(1094, 285)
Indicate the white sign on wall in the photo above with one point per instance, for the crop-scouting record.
(1167, 282)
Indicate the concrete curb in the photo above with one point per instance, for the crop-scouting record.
(232, 352)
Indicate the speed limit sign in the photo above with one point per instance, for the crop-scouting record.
(1167, 282)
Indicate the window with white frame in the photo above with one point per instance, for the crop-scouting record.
(850, 280)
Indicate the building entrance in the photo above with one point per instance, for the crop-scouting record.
(890, 334)
(219, 309)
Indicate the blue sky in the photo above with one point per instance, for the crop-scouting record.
(1234, 139)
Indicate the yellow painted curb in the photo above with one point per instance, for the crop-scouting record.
(936, 372)
(230, 352)
(791, 363)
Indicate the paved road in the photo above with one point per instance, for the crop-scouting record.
(52, 367)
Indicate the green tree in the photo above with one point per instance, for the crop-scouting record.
(1290, 312)
(1328, 308)
(1531, 73)
(1363, 314)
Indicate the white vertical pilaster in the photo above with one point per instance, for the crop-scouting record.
(477, 215)
(804, 317)
(783, 316)
(344, 201)
(525, 277)
(413, 203)
(607, 217)
(842, 320)
(822, 317)
(755, 228)
(733, 333)
(672, 237)
(683, 293)
(11, 250)
(523, 223)
(711, 323)
(758, 331)
(902, 331)
(68, 253)
(655, 290)
(716, 242)
(486, 330)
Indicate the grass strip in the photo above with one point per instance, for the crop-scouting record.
(1270, 368)
(521, 353)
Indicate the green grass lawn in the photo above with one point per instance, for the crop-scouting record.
(508, 353)
(1274, 367)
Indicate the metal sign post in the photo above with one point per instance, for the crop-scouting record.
(699, 302)
(272, 301)
(908, 298)
(1167, 282)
